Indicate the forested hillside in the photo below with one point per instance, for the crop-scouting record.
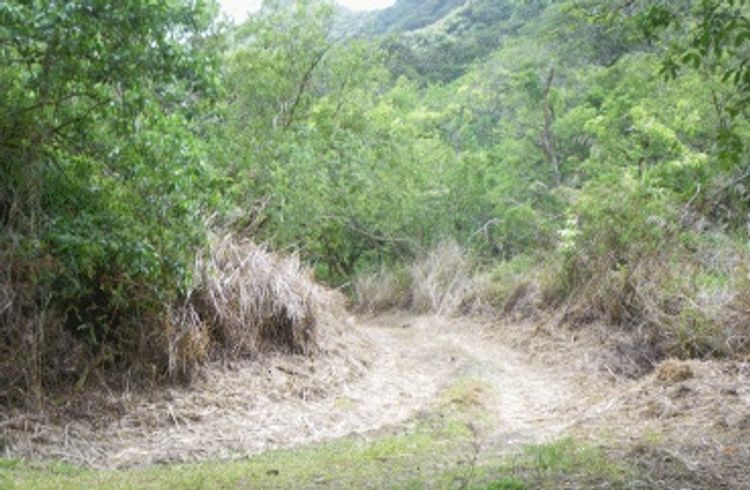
(409, 15)
(583, 157)
(591, 154)
(447, 244)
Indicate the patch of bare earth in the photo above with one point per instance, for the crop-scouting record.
(379, 374)
(542, 383)
(686, 419)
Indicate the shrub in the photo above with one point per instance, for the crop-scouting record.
(637, 263)
(522, 229)
(103, 185)
(509, 277)
(519, 287)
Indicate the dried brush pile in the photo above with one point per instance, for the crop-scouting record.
(245, 301)
(254, 301)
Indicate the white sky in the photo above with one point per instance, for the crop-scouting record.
(238, 9)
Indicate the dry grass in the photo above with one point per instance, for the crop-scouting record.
(692, 428)
(688, 433)
(254, 301)
(231, 410)
(673, 371)
(689, 299)
(246, 301)
(35, 350)
(382, 291)
(442, 280)
(243, 338)
(691, 303)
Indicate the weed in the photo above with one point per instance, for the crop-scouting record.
(441, 282)
(384, 290)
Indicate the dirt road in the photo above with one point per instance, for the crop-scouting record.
(394, 367)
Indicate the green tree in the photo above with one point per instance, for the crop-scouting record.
(103, 175)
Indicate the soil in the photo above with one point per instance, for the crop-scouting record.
(382, 371)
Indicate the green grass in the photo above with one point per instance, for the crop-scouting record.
(343, 463)
(436, 450)
(415, 460)
(563, 463)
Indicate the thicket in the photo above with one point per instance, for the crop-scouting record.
(103, 179)
(582, 156)
(607, 143)
(106, 186)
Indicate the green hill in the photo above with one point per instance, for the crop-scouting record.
(438, 40)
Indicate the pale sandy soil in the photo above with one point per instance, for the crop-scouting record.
(380, 372)
(385, 371)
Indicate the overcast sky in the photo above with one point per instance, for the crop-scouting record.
(238, 9)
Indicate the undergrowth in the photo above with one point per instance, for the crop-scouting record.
(677, 292)
(439, 281)
(244, 301)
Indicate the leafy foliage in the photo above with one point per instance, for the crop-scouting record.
(498, 157)
(515, 128)
(103, 177)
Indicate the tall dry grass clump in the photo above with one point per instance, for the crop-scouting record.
(384, 290)
(441, 281)
(254, 301)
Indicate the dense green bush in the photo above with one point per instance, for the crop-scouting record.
(104, 181)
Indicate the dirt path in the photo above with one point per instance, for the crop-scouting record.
(529, 401)
(401, 364)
